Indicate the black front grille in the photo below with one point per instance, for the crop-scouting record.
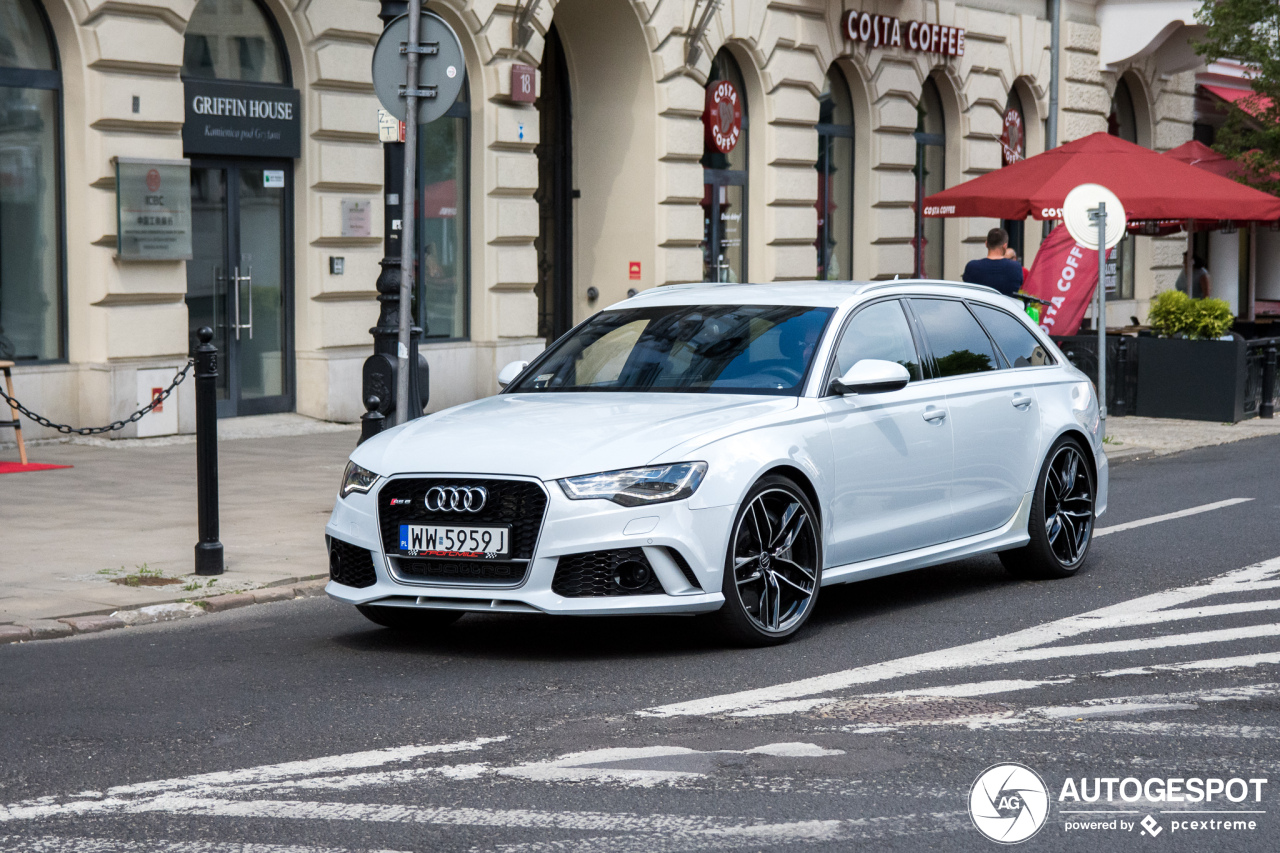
(496, 571)
(518, 503)
(350, 565)
(594, 574)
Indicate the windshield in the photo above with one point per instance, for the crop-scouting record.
(731, 349)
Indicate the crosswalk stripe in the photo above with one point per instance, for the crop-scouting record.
(1026, 644)
(61, 844)
(1168, 516)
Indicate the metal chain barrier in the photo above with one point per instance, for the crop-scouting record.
(112, 427)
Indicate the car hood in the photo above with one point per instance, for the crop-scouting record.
(554, 435)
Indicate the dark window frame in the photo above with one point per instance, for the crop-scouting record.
(459, 109)
(926, 361)
(924, 335)
(51, 80)
(1051, 360)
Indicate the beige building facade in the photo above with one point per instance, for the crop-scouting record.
(666, 145)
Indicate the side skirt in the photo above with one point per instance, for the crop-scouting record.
(1012, 535)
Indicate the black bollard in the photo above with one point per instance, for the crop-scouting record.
(208, 549)
(1268, 407)
(371, 421)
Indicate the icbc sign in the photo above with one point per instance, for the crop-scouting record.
(1012, 142)
(723, 116)
(882, 31)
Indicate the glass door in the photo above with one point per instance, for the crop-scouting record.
(239, 281)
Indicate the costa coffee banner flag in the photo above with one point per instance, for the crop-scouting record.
(1066, 274)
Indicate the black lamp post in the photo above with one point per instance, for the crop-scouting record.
(379, 374)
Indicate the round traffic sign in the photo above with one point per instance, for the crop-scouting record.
(1082, 226)
(444, 69)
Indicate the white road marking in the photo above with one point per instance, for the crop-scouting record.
(977, 688)
(1169, 516)
(755, 837)
(1236, 662)
(1025, 645)
(307, 767)
(59, 844)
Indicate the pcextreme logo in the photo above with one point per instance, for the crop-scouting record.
(1009, 803)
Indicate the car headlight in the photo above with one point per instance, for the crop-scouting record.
(356, 479)
(638, 486)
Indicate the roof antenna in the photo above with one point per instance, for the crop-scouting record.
(895, 276)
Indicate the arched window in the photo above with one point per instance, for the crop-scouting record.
(32, 296)
(1123, 122)
(931, 148)
(724, 171)
(442, 223)
(234, 40)
(835, 178)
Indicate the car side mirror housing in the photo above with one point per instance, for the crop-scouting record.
(871, 376)
(508, 374)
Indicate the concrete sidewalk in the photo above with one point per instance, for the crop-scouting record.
(93, 539)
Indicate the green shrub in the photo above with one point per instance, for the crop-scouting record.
(1175, 313)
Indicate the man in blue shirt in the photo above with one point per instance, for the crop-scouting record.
(993, 270)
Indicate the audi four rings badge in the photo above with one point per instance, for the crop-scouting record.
(456, 498)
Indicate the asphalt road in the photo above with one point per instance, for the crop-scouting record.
(298, 727)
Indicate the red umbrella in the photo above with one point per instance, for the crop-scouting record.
(1150, 185)
(1201, 156)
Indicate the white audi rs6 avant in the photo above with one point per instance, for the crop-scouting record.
(731, 449)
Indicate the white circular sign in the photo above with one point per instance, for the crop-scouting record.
(1009, 803)
(1082, 226)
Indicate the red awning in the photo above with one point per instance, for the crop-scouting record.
(1150, 185)
(1247, 99)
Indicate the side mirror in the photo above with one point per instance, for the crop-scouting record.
(871, 376)
(508, 374)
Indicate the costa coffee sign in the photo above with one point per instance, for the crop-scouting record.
(883, 31)
(1012, 137)
(723, 116)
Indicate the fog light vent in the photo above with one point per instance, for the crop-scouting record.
(622, 571)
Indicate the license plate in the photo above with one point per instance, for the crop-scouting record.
(439, 540)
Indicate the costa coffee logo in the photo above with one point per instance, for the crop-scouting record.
(881, 31)
(1011, 137)
(723, 116)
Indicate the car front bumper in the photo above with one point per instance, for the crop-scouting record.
(569, 527)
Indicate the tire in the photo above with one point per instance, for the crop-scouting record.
(409, 620)
(1061, 524)
(764, 566)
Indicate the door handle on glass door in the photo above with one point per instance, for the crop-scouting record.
(237, 325)
(934, 415)
(1021, 402)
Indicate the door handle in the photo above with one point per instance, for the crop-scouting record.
(933, 415)
(1021, 402)
(235, 283)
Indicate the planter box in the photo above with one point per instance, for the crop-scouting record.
(1197, 380)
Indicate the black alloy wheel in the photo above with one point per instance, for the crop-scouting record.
(1062, 516)
(773, 568)
(409, 620)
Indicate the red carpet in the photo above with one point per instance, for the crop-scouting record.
(18, 467)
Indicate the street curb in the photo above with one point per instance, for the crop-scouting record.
(93, 623)
(1130, 454)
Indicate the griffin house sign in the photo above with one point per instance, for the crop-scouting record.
(237, 119)
(883, 31)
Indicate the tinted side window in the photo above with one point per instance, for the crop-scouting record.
(958, 343)
(878, 331)
(1017, 343)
